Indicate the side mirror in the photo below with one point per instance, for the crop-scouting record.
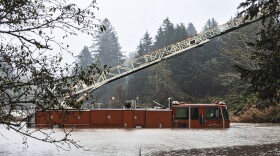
(127, 105)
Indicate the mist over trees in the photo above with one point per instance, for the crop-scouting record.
(191, 29)
(138, 82)
(213, 71)
(190, 77)
(194, 76)
(85, 58)
(241, 67)
(211, 23)
(106, 50)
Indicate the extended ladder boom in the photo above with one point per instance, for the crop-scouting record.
(167, 52)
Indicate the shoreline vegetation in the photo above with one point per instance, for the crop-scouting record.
(254, 115)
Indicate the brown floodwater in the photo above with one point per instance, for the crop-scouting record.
(240, 139)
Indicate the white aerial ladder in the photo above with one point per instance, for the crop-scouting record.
(155, 57)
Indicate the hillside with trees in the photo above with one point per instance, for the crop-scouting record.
(215, 71)
(241, 68)
(191, 76)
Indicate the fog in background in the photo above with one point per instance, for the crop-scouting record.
(131, 19)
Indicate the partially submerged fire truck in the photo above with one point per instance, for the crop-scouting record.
(178, 115)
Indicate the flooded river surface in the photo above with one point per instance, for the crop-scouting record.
(240, 139)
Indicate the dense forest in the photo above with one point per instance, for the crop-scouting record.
(241, 68)
(202, 75)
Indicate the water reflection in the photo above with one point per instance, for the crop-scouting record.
(151, 141)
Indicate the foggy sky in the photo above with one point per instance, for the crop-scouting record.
(132, 18)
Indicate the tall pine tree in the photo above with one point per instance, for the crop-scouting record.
(178, 65)
(265, 80)
(165, 35)
(191, 29)
(180, 32)
(203, 66)
(161, 84)
(107, 50)
(195, 71)
(85, 58)
(138, 80)
(211, 23)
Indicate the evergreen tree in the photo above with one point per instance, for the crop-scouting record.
(145, 45)
(235, 49)
(138, 80)
(180, 32)
(160, 83)
(196, 71)
(191, 29)
(85, 58)
(161, 86)
(169, 32)
(159, 39)
(211, 23)
(165, 35)
(265, 80)
(178, 65)
(107, 50)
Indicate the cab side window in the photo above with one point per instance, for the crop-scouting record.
(182, 113)
(212, 113)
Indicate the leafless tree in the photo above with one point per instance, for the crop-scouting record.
(29, 78)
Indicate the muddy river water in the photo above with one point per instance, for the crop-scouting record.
(240, 139)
